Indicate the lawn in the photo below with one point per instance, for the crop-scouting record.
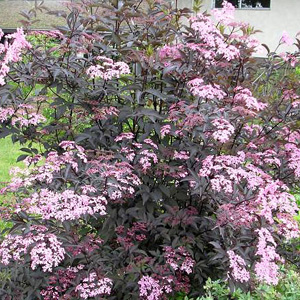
(9, 153)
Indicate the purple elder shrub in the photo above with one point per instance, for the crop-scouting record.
(169, 155)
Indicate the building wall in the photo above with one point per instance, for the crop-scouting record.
(284, 15)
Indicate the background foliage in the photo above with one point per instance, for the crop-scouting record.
(159, 155)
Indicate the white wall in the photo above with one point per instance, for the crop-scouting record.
(284, 15)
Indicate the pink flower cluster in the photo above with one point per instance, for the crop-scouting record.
(179, 259)
(266, 269)
(224, 130)
(23, 116)
(11, 51)
(183, 155)
(93, 286)
(205, 91)
(147, 158)
(145, 152)
(44, 248)
(225, 15)
(5, 114)
(270, 198)
(212, 43)
(238, 267)
(118, 179)
(185, 117)
(107, 69)
(166, 129)
(158, 286)
(236, 215)
(286, 39)
(150, 288)
(170, 53)
(53, 164)
(124, 136)
(104, 112)
(66, 205)
(290, 58)
(293, 153)
(245, 103)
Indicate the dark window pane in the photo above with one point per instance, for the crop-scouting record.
(235, 3)
(256, 3)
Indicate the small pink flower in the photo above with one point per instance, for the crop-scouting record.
(286, 39)
(237, 266)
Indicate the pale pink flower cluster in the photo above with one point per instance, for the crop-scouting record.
(185, 116)
(11, 51)
(22, 117)
(104, 112)
(293, 97)
(147, 158)
(246, 103)
(224, 15)
(224, 130)
(129, 153)
(263, 158)
(183, 155)
(266, 269)
(66, 205)
(227, 162)
(221, 183)
(93, 286)
(206, 91)
(293, 153)
(290, 95)
(107, 69)
(150, 288)
(151, 143)
(238, 267)
(253, 43)
(166, 129)
(26, 117)
(170, 52)
(212, 42)
(271, 199)
(53, 164)
(286, 39)
(44, 248)
(124, 136)
(118, 179)
(287, 226)
(5, 114)
(292, 59)
(179, 259)
(236, 215)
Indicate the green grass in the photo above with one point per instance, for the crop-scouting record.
(9, 153)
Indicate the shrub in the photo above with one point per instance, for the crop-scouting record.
(167, 160)
(287, 289)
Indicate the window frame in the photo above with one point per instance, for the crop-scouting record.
(244, 8)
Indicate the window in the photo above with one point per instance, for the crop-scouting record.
(244, 4)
